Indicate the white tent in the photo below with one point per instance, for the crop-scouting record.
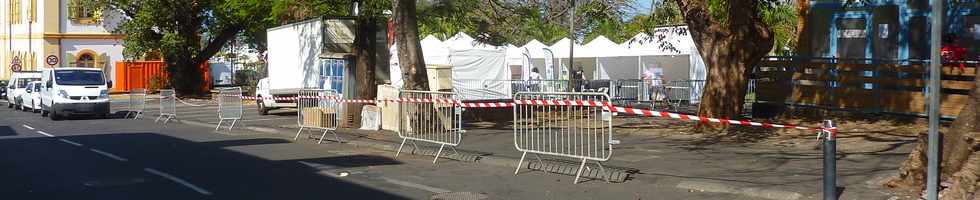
(609, 60)
(470, 60)
(434, 51)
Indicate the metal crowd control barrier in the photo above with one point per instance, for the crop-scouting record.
(229, 106)
(137, 103)
(168, 105)
(438, 122)
(574, 131)
(318, 109)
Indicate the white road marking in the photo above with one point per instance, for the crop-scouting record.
(416, 186)
(70, 142)
(45, 134)
(177, 180)
(107, 154)
(26, 126)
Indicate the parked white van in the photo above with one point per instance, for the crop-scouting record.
(17, 86)
(74, 91)
(31, 99)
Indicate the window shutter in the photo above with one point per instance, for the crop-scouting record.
(101, 61)
(72, 8)
(33, 11)
(70, 60)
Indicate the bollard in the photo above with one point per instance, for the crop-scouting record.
(829, 161)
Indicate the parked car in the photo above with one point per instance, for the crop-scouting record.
(31, 98)
(74, 91)
(3, 89)
(18, 85)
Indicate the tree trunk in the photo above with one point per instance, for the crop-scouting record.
(803, 42)
(730, 49)
(409, 50)
(185, 75)
(960, 161)
(365, 61)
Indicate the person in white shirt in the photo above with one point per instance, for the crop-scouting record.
(535, 79)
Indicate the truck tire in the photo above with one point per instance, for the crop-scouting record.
(261, 107)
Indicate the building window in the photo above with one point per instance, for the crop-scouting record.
(82, 14)
(85, 60)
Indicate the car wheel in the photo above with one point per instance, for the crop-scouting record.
(261, 108)
(54, 115)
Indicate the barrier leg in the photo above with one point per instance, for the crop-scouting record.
(158, 119)
(232, 124)
(297, 133)
(579, 174)
(603, 171)
(168, 119)
(438, 153)
(336, 136)
(520, 162)
(400, 147)
(416, 145)
(322, 136)
(219, 124)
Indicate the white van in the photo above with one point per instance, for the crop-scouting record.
(18, 86)
(74, 91)
(31, 99)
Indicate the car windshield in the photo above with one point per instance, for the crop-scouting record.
(22, 82)
(79, 77)
(37, 86)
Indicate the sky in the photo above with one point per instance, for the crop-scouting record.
(642, 6)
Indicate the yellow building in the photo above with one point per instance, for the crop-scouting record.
(34, 29)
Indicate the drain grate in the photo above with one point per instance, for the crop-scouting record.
(459, 196)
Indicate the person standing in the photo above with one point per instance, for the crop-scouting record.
(952, 54)
(534, 80)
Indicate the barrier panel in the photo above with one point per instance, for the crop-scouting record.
(318, 109)
(137, 103)
(629, 91)
(168, 105)
(229, 106)
(560, 124)
(438, 122)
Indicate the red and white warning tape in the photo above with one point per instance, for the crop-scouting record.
(558, 102)
(702, 119)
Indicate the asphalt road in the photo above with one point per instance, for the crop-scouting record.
(138, 159)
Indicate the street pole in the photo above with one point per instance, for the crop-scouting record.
(571, 39)
(935, 64)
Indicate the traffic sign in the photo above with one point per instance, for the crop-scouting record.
(52, 60)
(15, 67)
(16, 60)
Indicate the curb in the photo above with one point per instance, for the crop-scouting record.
(747, 191)
(501, 161)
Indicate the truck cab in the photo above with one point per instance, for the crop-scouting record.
(74, 91)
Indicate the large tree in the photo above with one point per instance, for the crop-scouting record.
(732, 37)
(187, 33)
(410, 58)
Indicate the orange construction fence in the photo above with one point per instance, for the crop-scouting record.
(151, 75)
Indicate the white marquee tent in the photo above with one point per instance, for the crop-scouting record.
(670, 52)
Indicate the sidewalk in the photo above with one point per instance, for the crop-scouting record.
(665, 157)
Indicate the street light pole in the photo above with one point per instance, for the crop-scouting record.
(571, 39)
(932, 177)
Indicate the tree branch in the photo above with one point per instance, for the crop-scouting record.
(217, 42)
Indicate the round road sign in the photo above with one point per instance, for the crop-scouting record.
(52, 60)
(15, 67)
